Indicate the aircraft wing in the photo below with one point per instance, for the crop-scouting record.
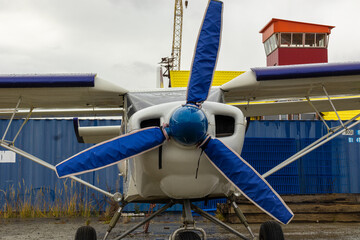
(296, 106)
(59, 91)
(287, 86)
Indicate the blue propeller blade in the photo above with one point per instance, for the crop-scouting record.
(111, 152)
(206, 53)
(247, 180)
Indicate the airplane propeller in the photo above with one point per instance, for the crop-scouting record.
(188, 125)
(206, 53)
(111, 152)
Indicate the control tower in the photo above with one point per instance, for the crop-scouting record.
(289, 42)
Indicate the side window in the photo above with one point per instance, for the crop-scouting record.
(271, 44)
(224, 126)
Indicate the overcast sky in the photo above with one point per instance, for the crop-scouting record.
(123, 40)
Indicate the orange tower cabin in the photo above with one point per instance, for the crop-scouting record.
(288, 42)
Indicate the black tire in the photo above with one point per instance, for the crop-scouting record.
(271, 230)
(85, 233)
(188, 235)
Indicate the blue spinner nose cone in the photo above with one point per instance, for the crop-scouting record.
(188, 125)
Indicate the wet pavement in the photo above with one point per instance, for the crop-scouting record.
(161, 228)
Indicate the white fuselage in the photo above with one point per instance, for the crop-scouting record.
(176, 179)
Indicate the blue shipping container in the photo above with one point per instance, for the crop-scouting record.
(332, 168)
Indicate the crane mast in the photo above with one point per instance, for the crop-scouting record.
(173, 63)
(177, 34)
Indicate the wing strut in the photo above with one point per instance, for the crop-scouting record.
(318, 113)
(332, 105)
(117, 196)
(332, 133)
(11, 119)
(324, 139)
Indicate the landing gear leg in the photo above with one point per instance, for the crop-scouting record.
(114, 220)
(188, 231)
(146, 220)
(241, 216)
(217, 221)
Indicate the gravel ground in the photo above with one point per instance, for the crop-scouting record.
(161, 227)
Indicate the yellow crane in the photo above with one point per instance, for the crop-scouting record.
(177, 34)
(173, 62)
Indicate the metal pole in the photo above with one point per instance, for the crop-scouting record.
(114, 220)
(12, 117)
(332, 105)
(322, 119)
(22, 125)
(93, 187)
(312, 144)
(242, 218)
(188, 218)
(217, 221)
(347, 122)
(145, 220)
(325, 136)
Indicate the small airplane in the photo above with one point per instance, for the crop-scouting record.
(183, 145)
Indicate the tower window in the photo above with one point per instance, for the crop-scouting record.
(309, 39)
(285, 39)
(297, 40)
(317, 40)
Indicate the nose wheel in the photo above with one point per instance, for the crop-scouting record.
(189, 231)
(185, 235)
